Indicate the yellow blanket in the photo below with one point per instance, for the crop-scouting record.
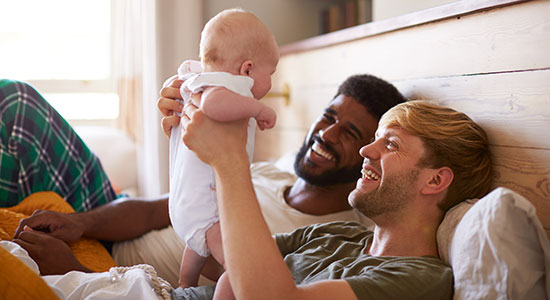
(90, 253)
(17, 281)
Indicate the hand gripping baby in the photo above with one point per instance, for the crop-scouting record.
(238, 56)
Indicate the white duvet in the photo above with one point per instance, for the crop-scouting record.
(135, 283)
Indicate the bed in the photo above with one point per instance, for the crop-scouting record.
(489, 59)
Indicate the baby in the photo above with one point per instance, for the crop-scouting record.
(238, 56)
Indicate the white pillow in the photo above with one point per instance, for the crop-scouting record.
(447, 228)
(498, 250)
(286, 162)
(117, 154)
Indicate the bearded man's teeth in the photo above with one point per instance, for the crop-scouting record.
(370, 175)
(317, 149)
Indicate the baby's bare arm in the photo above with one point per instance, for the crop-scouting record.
(224, 105)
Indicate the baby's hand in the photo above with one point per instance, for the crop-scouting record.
(266, 118)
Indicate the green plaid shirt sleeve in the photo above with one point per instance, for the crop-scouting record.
(39, 151)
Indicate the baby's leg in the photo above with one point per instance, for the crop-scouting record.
(212, 269)
(223, 288)
(191, 267)
(214, 243)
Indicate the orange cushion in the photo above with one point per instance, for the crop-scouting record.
(17, 281)
(90, 253)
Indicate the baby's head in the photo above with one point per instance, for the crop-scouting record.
(237, 42)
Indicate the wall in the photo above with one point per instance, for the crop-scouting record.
(289, 20)
(384, 9)
(293, 20)
(493, 65)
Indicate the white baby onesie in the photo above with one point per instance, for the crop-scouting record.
(192, 203)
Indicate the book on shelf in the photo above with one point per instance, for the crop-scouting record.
(324, 20)
(350, 13)
(334, 18)
(364, 11)
(345, 14)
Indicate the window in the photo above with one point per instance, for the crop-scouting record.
(63, 48)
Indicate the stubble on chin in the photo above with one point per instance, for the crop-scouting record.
(393, 194)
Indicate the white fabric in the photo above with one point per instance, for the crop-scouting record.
(17, 251)
(196, 81)
(163, 250)
(499, 249)
(447, 228)
(193, 206)
(117, 153)
(134, 284)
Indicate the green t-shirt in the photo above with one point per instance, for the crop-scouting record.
(335, 251)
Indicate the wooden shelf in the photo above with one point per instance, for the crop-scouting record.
(451, 10)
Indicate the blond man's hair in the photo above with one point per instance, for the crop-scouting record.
(450, 139)
(234, 36)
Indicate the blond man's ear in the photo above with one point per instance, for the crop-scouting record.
(439, 181)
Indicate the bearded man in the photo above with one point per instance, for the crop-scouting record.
(326, 167)
(425, 159)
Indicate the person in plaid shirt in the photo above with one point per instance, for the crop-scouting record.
(39, 151)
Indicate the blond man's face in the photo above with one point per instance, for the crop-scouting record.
(391, 176)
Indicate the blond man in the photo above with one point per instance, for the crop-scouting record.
(425, 158)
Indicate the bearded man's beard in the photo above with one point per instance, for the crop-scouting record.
(327, 178)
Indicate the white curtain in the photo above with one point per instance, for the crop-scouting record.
(135, 72)
(128, 48)
(151, 39)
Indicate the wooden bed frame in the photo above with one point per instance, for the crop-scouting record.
(489, 59)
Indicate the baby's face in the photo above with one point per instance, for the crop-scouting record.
(264, 68)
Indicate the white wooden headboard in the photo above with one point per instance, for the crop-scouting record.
(489, 59)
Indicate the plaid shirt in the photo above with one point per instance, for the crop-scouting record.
(39, 151)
